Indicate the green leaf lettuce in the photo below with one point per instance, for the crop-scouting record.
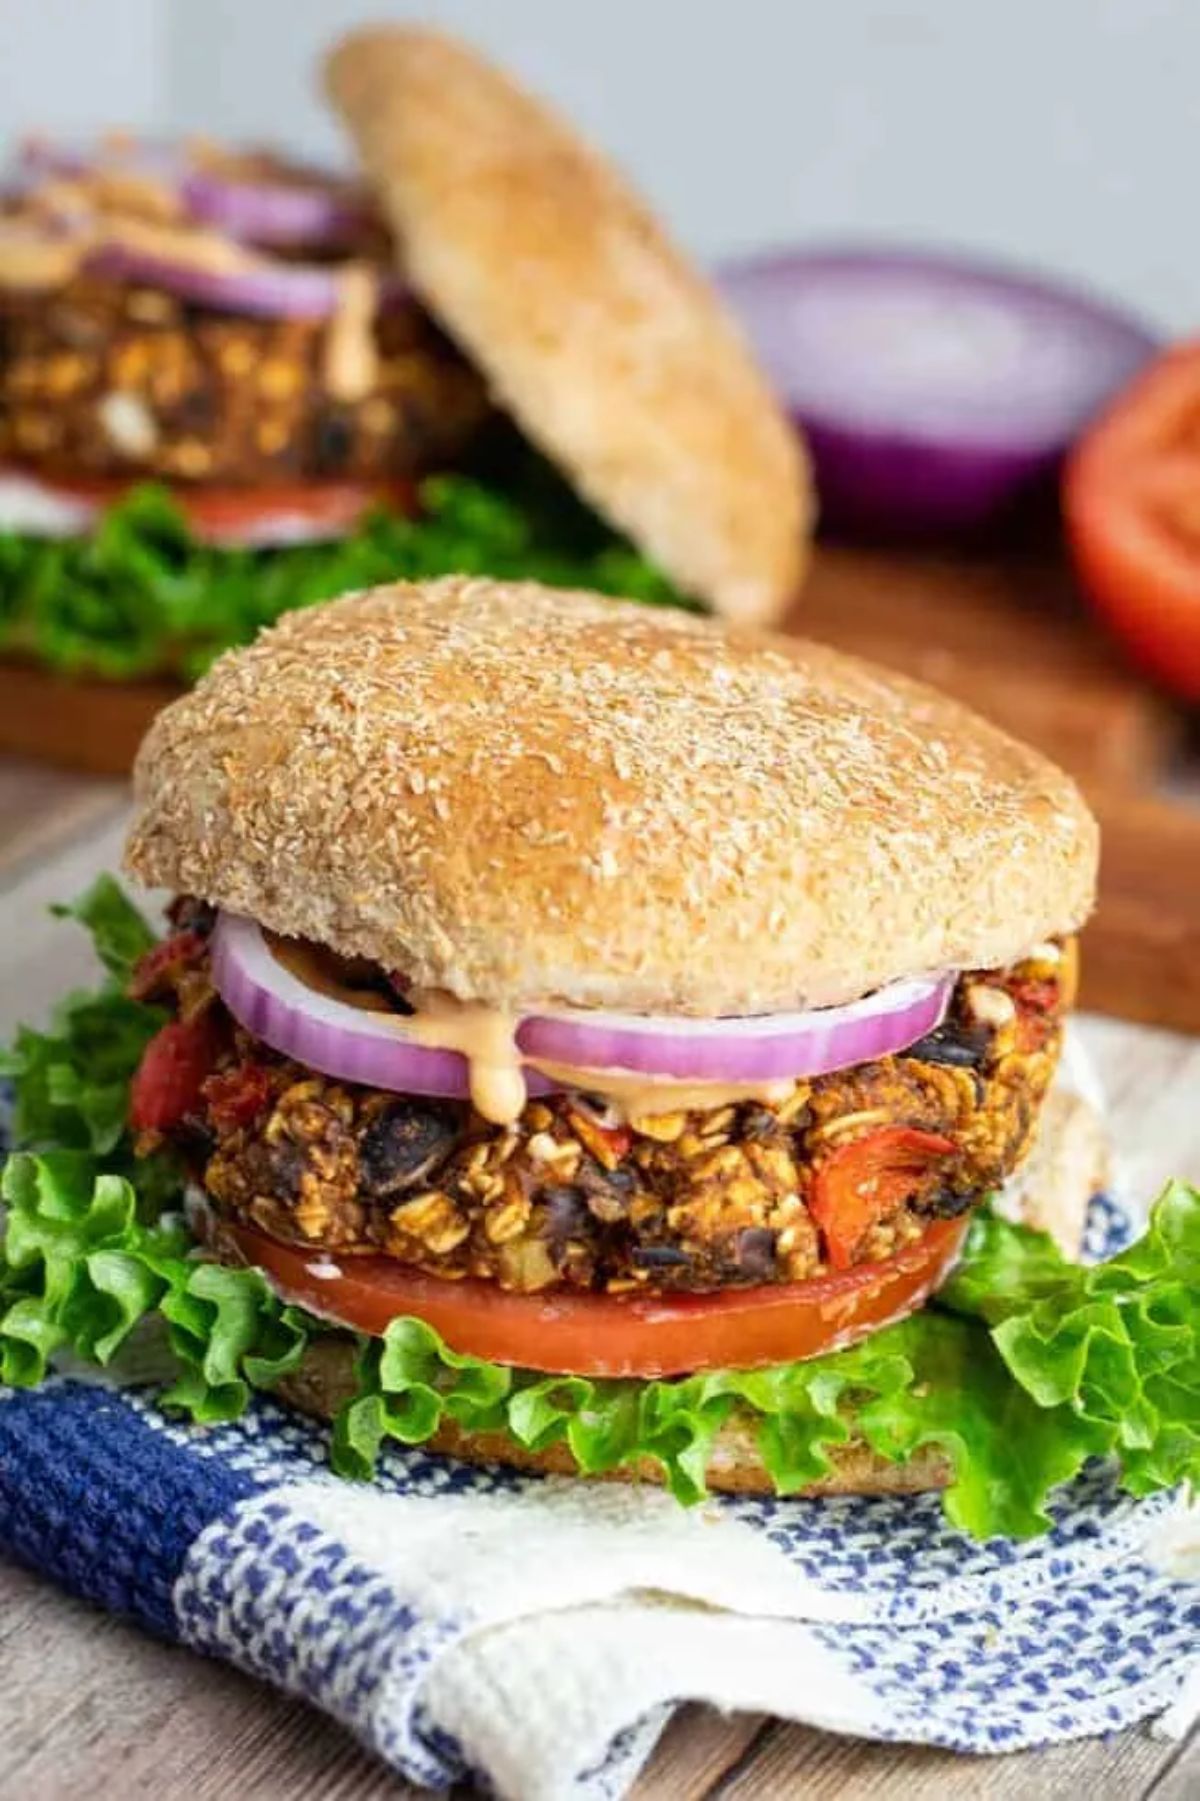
(141, 596)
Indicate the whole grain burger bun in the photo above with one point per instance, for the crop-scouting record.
(600, 339)
(517, 795)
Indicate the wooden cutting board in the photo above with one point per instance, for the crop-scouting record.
(1005, 634)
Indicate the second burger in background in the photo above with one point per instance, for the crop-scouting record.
(225, 385)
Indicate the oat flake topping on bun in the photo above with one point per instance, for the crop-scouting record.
(515, 794)
(609, 349)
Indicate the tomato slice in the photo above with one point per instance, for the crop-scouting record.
(328, 509)
(167, 1083)
(277, 514)
(613, 1335)
(1131, 500)
(867, 1179)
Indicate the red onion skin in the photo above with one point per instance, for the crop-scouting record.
(882, 485)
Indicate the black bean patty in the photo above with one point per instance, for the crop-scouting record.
(109, 379)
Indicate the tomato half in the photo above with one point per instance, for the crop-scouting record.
(232, 516)
(1131, 500)
(614, 1335)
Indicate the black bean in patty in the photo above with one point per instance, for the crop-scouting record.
(754, 1252)
(962, 1047)
(404, 1143)
(606, 1191)
(658, 1256)
(944, 1203)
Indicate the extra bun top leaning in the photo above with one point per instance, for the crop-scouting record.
(517, 795)
(610, 351)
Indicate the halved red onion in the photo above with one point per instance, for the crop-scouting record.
(264, 288)
(360, 1046)
(266, 212)
(934, 390)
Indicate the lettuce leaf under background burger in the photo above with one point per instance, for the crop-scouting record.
(1023, 1368)
(141, 596)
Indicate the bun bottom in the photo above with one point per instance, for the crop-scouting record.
(325, 1379)
(734, 1465)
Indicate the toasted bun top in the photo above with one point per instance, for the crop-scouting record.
(519, 794)
(597, 336)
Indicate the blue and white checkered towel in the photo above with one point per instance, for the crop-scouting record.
(538, 1632)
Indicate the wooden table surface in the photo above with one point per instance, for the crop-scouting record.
(90, 1707)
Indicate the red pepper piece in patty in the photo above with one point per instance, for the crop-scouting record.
(1035, 1002)
(167, 1085)
(868, 1179)
(156, 973)
(236, 1097)
(1039, 996)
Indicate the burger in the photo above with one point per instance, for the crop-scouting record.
(588, 1039)
(231, 384)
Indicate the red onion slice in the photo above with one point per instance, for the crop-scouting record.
(263, 288)
(160, 158)
(326, 1034)
(934, 390)
(359, 1046)
(762, 1048)
(263, 212)
(313, 210)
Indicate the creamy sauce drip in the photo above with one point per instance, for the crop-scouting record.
(31, 261)
(28, 259)
(635, 1097)
(67, 219)
(487, 1038)
(133, 191)
(198, 248)
(351, 361)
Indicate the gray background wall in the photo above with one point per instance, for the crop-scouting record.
(1063, 132)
